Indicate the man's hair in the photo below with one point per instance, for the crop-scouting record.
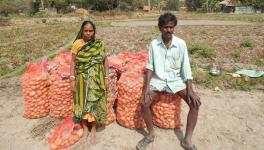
(167, 17)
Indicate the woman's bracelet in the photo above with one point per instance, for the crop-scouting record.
(72, 77)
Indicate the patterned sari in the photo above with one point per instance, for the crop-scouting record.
(90, 90)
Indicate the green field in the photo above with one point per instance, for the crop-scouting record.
(227, 46)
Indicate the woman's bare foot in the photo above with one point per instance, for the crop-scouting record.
(93, 134)
(85, 129)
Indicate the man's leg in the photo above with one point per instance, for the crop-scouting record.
(147, 113)
(147, 116)
(191, 119)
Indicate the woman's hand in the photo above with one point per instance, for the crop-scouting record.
(107, 84)
(72, 78)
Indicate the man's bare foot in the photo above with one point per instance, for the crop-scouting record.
(187, 146)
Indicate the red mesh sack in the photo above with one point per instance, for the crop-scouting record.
(35, 87)
(130, 86)
(166, 110)
(126, 56)
(65, 135)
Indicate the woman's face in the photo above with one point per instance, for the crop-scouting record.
(88, 32)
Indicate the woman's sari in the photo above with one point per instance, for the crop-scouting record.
(90, 90)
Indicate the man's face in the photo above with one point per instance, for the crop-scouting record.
(167, 30)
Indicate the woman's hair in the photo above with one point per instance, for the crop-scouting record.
(80, 33)
(167, 17)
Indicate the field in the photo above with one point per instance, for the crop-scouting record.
(229, 119)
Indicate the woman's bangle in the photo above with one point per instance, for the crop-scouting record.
(72, 77)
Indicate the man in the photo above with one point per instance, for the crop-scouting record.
(168, 70)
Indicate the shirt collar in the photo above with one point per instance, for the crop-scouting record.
(173, 42)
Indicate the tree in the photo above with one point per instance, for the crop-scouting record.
(13, 6)
(259, 4)
(60, 5)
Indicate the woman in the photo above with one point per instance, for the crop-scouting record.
(89, 70)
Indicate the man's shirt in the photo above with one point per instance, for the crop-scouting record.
(171, 67)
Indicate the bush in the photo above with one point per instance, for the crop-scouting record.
(202, 50)
(247, 43)
(14, 6)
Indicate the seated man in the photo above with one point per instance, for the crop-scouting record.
(168, 70)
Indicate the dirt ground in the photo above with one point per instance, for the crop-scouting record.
(228, 119)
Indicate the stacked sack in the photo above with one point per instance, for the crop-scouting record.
(35, 87)
(137, 63)
(166, 110)
(60, 93)
(111, 97)
(130, 86)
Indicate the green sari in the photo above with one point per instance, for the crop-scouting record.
(90, 90)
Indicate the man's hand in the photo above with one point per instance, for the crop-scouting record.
(146, 98)
(193, 99)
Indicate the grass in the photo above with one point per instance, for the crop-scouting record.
(236, 55)
(201, 50)
(247, 43)
(224, 81)
(257, 18)
(207, 45)
(20, 45)
(259, 62)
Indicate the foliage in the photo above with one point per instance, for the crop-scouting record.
(201, 50)
(259, 4)
(194, 5)
(247, 43)
(13, 6)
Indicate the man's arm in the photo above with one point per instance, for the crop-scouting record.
(193, 99)
(149, 75)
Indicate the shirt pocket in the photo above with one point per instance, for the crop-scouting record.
(174, 59)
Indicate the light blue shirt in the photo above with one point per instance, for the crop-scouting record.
(171, 67)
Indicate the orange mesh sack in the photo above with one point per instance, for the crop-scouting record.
(65, 135)
(166, 110)
(111, 117)
(63, 58)
(126, 56)
(136, 65)
(130, 86)
(116, 63)
(35, 87)
(60, 94)
(111, 97)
